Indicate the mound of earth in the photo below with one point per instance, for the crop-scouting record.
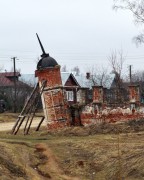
(104, 128)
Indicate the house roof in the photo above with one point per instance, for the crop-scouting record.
(80, 80)
(46, 61)
(10, 74)
(6, 78)
(66, 75)
(29, 79)
(83, 81)
(88, 83)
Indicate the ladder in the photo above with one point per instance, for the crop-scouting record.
(28, 112)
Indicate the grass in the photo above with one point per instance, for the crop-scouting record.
(11, 117)
(8, 117)
(89, 157)
(75, 153)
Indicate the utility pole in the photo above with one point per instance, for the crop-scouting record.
(130, 73)
(14, 66)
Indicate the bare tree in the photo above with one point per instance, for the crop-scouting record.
(76, 69)
(1, 68)
(64, 68)
(138, 76)
(136, 7)
(22, 92)
(99, 76)
(116, 60)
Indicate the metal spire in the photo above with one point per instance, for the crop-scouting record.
(42, 48)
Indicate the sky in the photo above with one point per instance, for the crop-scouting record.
(79, 33)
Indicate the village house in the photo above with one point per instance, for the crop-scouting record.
(76, 88)
(79, 89)
(12, 90)
(118, 93)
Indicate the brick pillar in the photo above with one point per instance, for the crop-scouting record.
(97, 94)
(134, 95)
(82, 94)
(105, 96)
(53, 98)
(98, 97)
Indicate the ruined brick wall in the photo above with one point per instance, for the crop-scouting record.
(98, 94)
(52, 75)
(82, 96)
(134, 94)
(89, 117)
(53, 98)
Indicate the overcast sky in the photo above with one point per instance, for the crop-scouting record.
(74, 32)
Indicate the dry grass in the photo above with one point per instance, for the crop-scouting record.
(92, 153)
(97, 156)
(8, 117)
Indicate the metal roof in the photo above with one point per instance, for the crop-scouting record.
(81, 80)
(6, 78)
(64, 76)
(29, 79)
(46, 62)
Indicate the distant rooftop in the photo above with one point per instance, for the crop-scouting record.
(81, 79)
(29, 79)
(7, 79)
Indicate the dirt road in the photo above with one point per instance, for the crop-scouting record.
(7, 126)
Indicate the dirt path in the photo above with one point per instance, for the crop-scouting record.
(7, 126)
(52, 165)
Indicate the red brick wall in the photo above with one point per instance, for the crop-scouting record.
(56, 106)
(97, 94)
(52, 75)
(54, 102)
(134, 94)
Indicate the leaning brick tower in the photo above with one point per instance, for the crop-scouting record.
(53, 97)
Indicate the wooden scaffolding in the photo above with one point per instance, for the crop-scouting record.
(29, 111)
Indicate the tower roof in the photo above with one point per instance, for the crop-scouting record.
(46, 61)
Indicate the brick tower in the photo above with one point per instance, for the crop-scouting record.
(53, 97)
(98, 97)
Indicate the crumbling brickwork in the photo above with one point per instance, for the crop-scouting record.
(134, 94)
(55, 105)
(53, 98)
(82, 96)
(52, 75)
(98, 94)
(88, 117)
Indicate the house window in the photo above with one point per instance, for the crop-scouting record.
(78, 96)
(70, 95)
